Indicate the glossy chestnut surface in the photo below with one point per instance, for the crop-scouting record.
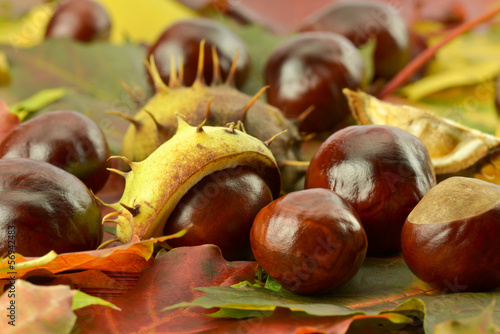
(66, 139)
(182, 40)
(311, 241)
(82, 20)
(311, 69)
(361, 21)
(221, 207)
(452, 237)
(44, 208)
(382, 171)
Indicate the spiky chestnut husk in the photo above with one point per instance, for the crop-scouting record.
(220, 103)
(155, 185)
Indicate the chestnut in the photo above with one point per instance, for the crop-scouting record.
(82, 20)
(311, 69)
(66, 139)
(45, 208)
(361, 21)
(451, 239)
(311, 241)
(182, 40)
(221, 208)
(382, 171)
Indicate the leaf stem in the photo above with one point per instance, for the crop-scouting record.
(414, 65)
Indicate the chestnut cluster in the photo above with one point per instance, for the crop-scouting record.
(371, 190)
(49, 166)
(361, 184)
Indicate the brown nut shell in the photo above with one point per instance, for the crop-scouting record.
(452, 237)
(82, 20)
(311, 241)
(44, 208)
(66, 139)
(221, 209)
(382, 171)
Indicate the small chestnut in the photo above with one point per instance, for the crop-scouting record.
(82, 20)
(382, 171)
(311, 241)
(182, 40)
(44, 208)
(359, 21)
(66, 139)
(311, 69)
(451, 239)
(221, 208)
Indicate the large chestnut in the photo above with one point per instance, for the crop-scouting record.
(382, 171)
(182, 40)
(362, 21)
(221, 208)
(311, 241)
(451, 239)
(66, 139)
(311, 69)
(44, 208)
(82, 20)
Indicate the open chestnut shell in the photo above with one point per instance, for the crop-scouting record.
(45, 208)
(311, 241)
(451, 239)
(66, 139)
(382, 171)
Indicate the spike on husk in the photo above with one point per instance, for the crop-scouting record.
(126, 117)
(200, 78)
(232, 71)
(252, 102)
(160, 86)
(216, 79)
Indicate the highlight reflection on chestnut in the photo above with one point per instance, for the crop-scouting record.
(382, 171)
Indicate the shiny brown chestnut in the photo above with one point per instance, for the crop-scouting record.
(361, 21)
(311, 241)
(311, 69)
(82, 20)
(182, 40)
(382, 171)
(221, 208)
(451, 239)
(44, 208)
(66, 139)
